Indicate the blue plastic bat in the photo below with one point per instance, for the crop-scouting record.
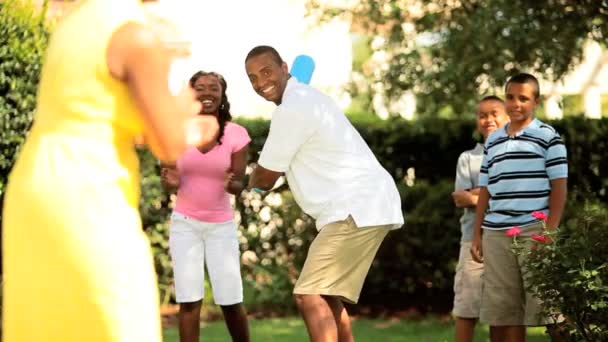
(302, 68)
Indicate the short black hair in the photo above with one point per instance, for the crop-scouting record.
(262, 49)
(522, 78)
(492, 98)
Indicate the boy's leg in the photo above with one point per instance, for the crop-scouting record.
(465, 329)
(224, 267)
(336, 266)
(514, 333)
(502, 302)
(557, 334)
(467, 294)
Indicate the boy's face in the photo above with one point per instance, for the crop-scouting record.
(268, 78)
(491, 114)
(520, 101)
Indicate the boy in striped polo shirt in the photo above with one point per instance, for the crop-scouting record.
(524, 169)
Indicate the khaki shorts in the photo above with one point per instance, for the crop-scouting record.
(504, 299)
(467, 284)
(338, 260)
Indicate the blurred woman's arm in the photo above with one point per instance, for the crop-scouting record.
(137, 57)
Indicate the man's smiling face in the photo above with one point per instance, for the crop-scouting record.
(268, 77)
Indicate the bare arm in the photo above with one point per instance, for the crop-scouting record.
(557, 201)
(262, 178)
(235, 179)
(136, 57)
(464, 195)
(480, 212)
(465, 198)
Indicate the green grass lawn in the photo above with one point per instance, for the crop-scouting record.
(293, 330)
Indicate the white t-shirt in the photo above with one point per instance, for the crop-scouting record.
(331, 171)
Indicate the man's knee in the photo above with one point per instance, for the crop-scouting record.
(299, 299)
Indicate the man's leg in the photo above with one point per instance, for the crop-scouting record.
(189, 317)
(508, 333)
(318, 317)
(465, 328)
(336, 266)
(345, 332)
(326, 318)
(236, 322)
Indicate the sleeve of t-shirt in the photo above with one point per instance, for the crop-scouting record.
(289, 130)
(483, 172)
(239, 137)
(463, 173)
(556, 159)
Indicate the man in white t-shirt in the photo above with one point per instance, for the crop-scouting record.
(336, 179)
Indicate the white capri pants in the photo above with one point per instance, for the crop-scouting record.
(194, 244)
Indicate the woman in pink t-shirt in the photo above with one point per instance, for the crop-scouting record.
(202, 230)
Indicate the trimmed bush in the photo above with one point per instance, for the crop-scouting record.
(23, 40)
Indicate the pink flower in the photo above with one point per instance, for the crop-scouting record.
(513, 231)
(539, 238)
(539, 215)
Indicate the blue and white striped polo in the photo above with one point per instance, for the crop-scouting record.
(517, 172)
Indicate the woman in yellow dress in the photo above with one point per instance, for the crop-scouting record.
(77, 266)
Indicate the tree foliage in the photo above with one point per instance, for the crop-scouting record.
(450, 51)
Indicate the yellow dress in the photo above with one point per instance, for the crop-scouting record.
(77, 266)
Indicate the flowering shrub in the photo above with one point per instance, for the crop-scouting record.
(568, 270)
(513, 232)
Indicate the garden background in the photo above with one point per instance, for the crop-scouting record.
(412, 276)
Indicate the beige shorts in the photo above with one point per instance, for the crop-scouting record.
(467, 284)
(338, 260)
(504, 299)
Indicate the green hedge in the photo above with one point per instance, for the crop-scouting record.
(415, 265)
(23, 39)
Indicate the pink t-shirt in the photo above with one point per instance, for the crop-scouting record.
(201, 193)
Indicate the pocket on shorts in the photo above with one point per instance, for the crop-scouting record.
(179, 222)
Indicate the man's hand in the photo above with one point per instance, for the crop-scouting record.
(263, 178)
